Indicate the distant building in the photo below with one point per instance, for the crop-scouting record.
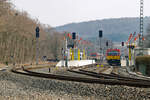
(94, 56)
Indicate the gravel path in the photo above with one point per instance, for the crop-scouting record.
(20, 87)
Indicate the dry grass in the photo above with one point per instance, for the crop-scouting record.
(143, 59)
(2, 65)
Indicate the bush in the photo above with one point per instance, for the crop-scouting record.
(143, 60)
(6, 62)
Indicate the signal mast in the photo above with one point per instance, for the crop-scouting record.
(141, 26)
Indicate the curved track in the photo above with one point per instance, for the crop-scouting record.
(113, 76)
(96, 80)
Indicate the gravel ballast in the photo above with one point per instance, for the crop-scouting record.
(24, 87)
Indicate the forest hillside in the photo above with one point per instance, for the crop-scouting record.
(17, 37)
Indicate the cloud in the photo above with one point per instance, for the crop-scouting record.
(58, 12)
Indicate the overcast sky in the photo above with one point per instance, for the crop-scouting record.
(59, 12)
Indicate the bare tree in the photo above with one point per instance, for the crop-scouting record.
(55, 45)
(17, 36)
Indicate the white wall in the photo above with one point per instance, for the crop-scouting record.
(76, 63)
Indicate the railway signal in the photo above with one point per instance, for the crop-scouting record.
(73, 35)
(122, 43)
(100, 36)
(100, 33)
(107, 43)
(37, 30)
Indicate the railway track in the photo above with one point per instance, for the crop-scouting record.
(97, 80)
(112, 76)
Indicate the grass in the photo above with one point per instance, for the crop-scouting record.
(143, 60)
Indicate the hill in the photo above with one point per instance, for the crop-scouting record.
(114, 29)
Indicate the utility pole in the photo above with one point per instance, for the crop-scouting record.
(66, 53)
(141, 26)
(32, 51)
(37, 44)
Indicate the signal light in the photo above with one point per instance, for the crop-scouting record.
(73, 35)
(100, 33)
(107, 43)
(37, 30)
(122, 43)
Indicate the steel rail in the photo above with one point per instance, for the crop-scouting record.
(84, 80)
(114, 76)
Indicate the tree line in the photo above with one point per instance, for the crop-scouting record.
(17, 37)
